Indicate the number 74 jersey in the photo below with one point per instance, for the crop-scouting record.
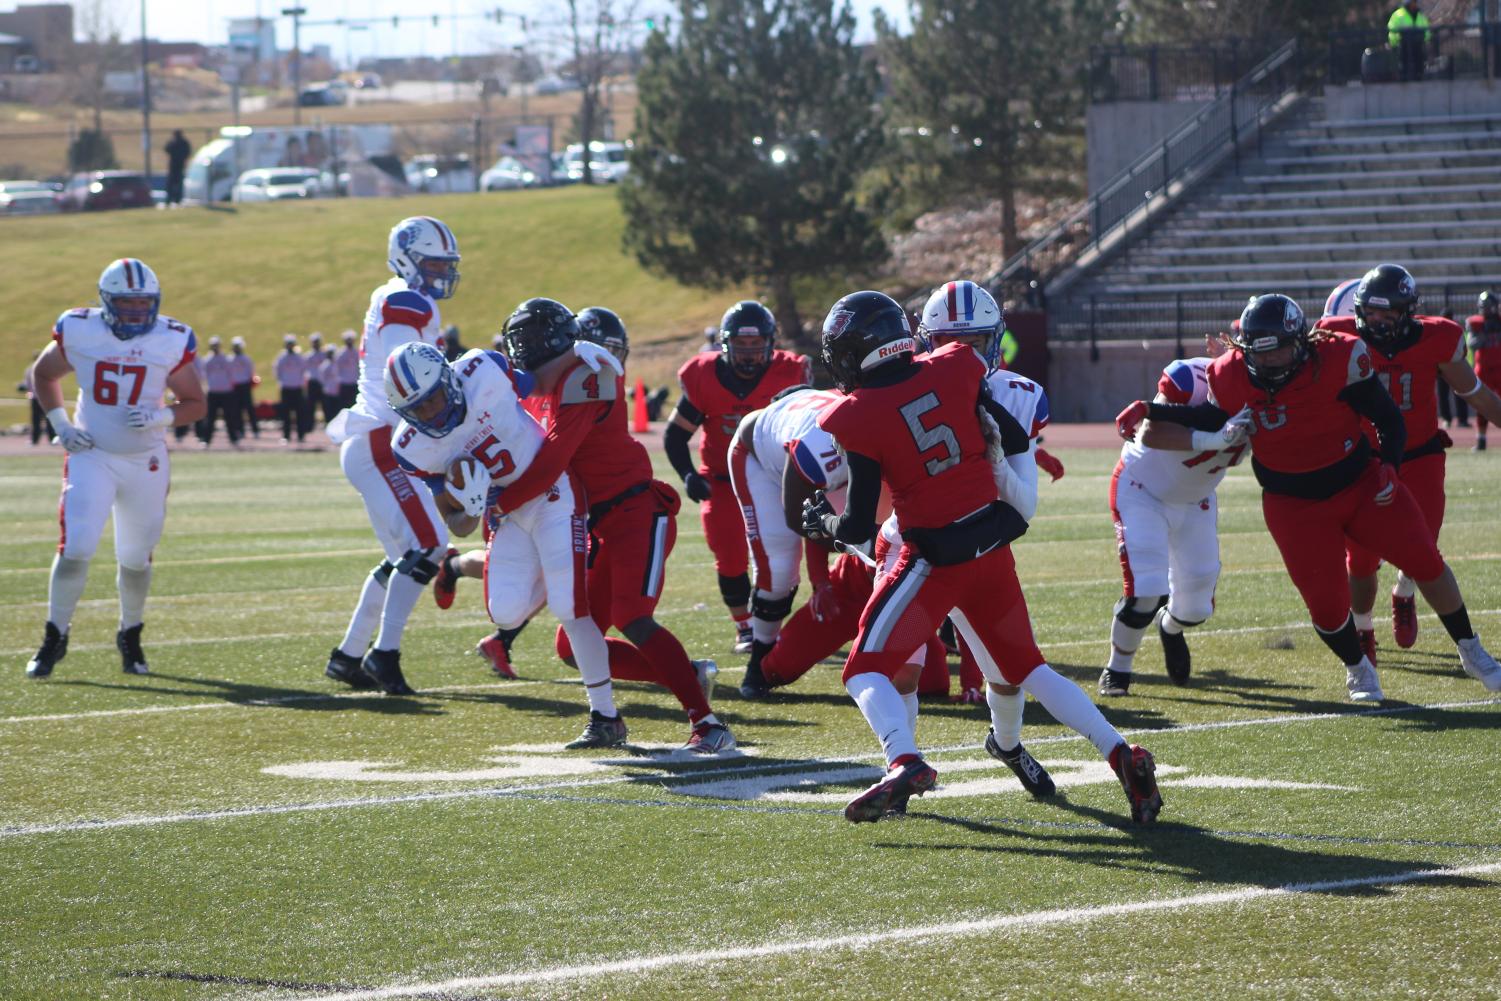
(1172, 476)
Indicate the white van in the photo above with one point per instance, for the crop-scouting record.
(607, 161)
(212, 171)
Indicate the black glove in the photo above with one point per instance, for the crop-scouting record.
(817, 513)
(698, 487)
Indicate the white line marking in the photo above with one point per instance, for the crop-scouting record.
(867, 940)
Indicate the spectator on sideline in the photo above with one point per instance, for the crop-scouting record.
(38, 417)
(452, 347)
(1407, 32)
(291, 375)
(327, 372)
(242, 376)
(347, 365)
(314, 382)
(1448, 409)
(218, 375)
(178, 150)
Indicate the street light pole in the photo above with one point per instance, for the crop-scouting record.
(295, 13)
(145, 97)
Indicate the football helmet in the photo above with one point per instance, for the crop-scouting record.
(425, 254)
(747, 337)
(1273, 336)
(538, 331)
(1341, 301)
(1386, 287)
(962, 309)
(864, 331)
(129, 298)
(604, 327)
(416, 373)
(1486, 304)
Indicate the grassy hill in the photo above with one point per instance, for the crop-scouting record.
(259, 271)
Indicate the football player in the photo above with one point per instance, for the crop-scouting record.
(917, 424)
(1164, 504)
(1485, 341)
(632, 518)
(1409, 354)
(126, 356)
(718, 390)
(1308, 394)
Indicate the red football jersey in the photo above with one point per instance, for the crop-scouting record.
(926, 436)
(1486, 341)
(1304, 426)
(607, 460)
(722, 409)
(1411, 376)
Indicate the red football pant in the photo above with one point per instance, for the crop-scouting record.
(911, 601)
(1491, 376)
(1424, 479)
(1311, 535)
(724, 529)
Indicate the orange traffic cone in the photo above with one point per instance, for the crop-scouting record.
(638, 412)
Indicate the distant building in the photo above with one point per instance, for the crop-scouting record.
(47, 32)
(253, 39)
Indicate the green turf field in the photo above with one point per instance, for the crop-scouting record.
(234, 826)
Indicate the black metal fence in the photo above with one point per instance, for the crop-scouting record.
(1170, 73)
(1448, 52)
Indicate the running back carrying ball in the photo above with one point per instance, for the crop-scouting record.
(469, 483)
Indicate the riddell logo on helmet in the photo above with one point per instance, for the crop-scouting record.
(903, 346)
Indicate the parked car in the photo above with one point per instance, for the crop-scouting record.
(607, 161)
(439, 174)
(276, 184)
(368, 81)
(321, 94)
(508, 172)
(105, 189)
(27, 197)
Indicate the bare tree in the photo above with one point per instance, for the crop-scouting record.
(99, 23)
(599, 32)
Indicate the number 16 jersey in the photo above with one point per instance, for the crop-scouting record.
(1170, 475)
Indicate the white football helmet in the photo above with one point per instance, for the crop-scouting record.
(128, 279)
(1341, 301)
(415, 373)
(424, 252)
(963, 309)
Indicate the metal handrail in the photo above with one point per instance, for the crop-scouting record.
(1231, 119)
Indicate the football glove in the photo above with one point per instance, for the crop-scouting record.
(1386, 484)
(475, 492)
(596, 356)
(697, 487)
(1234, 432)
(1128, 420)
(995, 451)
(1048, 463)
(817, 511)
(69, 436)
(824, 603)
(143, 418)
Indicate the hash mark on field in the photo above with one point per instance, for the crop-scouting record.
(868, 940)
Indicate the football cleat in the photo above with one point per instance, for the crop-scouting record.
(1479, 445)
(1477, 662)
(1029, 771)
(493, 649)
(892, 792)
(1362, 684)
(710, 738)
(446, 581)
(128, 642)
(1367, 639)
(345, 668)
(706, 671)
(743, 640)
(1404, 622)
(1174, 654)
(54, 648)
(384, 668)
(1115, 682)
(754, 684)
(971, 697)
(1138, 774)
(600, 731)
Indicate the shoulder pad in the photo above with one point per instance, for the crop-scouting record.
(1359, 365)
(583, 386)
(1177, 382)
(407, 308)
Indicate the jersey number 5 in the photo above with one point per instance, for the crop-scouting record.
(107, 390)
(495, 458)
(928, 438)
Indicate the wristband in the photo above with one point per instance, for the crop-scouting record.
(58, 418)
(1204, 441)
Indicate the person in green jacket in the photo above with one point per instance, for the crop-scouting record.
(1408, 31)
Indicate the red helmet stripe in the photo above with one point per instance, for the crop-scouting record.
(952, 288)
(130, 281)
(442, 232)
(395, 371)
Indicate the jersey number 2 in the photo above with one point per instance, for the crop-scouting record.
(107, 390)
(927, 438)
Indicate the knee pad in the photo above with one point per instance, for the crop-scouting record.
(1138, 612)
(382, 572)
(736, 590)
(419, 565)
(1193, 604)
(772, 609)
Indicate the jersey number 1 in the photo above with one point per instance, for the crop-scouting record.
(107, 390)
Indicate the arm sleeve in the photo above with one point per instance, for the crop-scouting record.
(1369, 399)
(564, 435)
(1016, 480)
(1200, 417)
(858, 522)
(675, 444)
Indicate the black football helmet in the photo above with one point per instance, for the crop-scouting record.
(605, 328)
(1268, 325)
(538, 331)
(863, 331)
(1486, 304)
(1387, 286)
(747, 318)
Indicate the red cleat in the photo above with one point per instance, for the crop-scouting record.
(445, 583)
(1138, 774)
(493, 649)
(1368, 644)
(1404, 621)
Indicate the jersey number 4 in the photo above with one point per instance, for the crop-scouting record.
(107, 389)
(929, 438)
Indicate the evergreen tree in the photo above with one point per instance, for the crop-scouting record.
(754, 124)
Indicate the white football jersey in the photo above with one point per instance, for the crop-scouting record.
(789, 428)
(496, 430)
(1180, 477)
(1023, 399)
(397, 316)
(115, 375)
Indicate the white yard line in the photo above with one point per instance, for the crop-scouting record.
(866, 940)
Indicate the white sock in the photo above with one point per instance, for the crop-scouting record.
(910, 701)
(1006, 716)
(593, 659)
(134, 586)
(1406, 586)
(1124, 642)
(882, 706)
(1363, 620)
(64, 588)
(365, 618)
(402, 593)
(765, 630)
(1170, 625)
(1071, 707)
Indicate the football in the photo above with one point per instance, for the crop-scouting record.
(463, 471)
